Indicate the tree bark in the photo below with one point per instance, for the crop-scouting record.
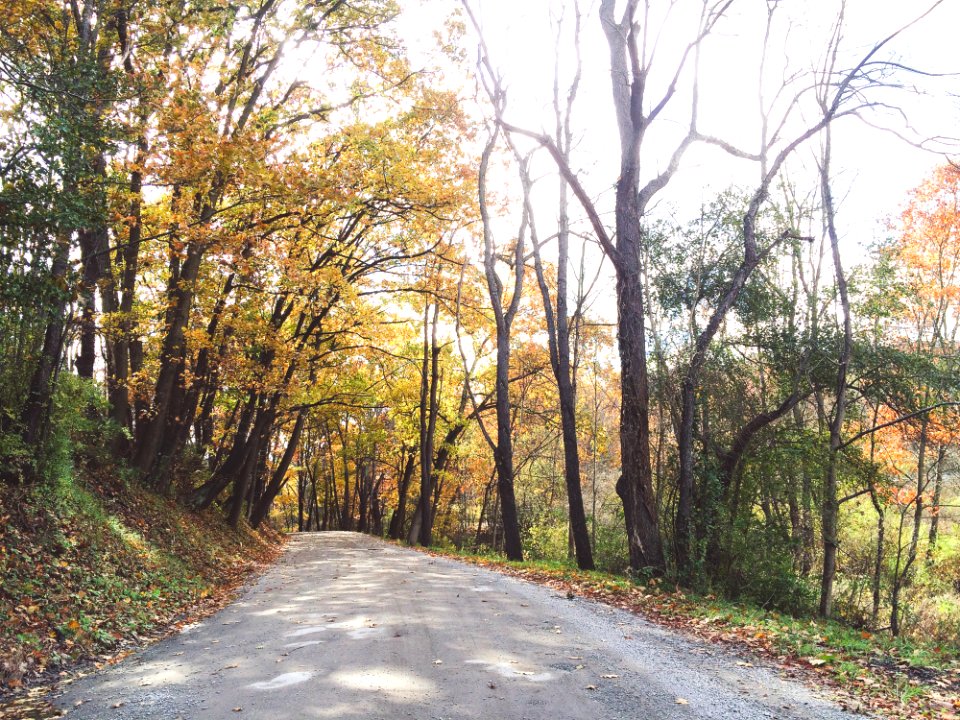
(902, 579)
(262, 507)
(829, 506)
(180, 293)
(36, 411)
(933, 536)
(558, 340)
(428, 423)
(503, 452)
(399, 517)
(635, 486)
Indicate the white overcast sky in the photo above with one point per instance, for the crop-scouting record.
(875, 169)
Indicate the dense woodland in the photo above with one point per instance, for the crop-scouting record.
(262, 257)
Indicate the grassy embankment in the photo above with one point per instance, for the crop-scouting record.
(92, 568)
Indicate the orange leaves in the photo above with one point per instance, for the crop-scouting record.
(927, 252)
(903, 496)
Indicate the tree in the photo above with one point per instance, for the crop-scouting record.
(558, 318)
(503, 317)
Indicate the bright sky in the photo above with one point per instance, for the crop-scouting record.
(874, 169)
(521, 42)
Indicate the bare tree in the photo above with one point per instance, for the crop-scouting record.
(557, 316)
(503, 317)
(632, 52)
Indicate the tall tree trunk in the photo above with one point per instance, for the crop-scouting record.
(251, 457)
(558, 339)
(428, 422)
(881, 525)
(120, 409)
(363, 495)
(503, 452)
(89, 245)
(119, 394)
(503, 455)
(302, 486)
(262, 507)
(248, 470)
(180, 293)
(399, 517)
(205, 495)
(830, 507)
(635, 485)
(36, 411)
(376, 507)
(346, 510)
(878, 555)
(94, 238)
(902, 579)
(932, 537)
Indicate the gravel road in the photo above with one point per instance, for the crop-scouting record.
(346, 626)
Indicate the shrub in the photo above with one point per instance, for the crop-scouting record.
(936, 619)
(610, 552)
(762, 572)
(546, 538)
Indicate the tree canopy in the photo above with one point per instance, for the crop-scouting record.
(272, 260)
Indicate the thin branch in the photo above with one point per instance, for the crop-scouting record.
(897, 421)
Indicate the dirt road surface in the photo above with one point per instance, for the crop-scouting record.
(346, 626)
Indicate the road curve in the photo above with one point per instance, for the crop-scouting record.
(346, 626)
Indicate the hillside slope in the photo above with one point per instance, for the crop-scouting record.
(96, 565)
